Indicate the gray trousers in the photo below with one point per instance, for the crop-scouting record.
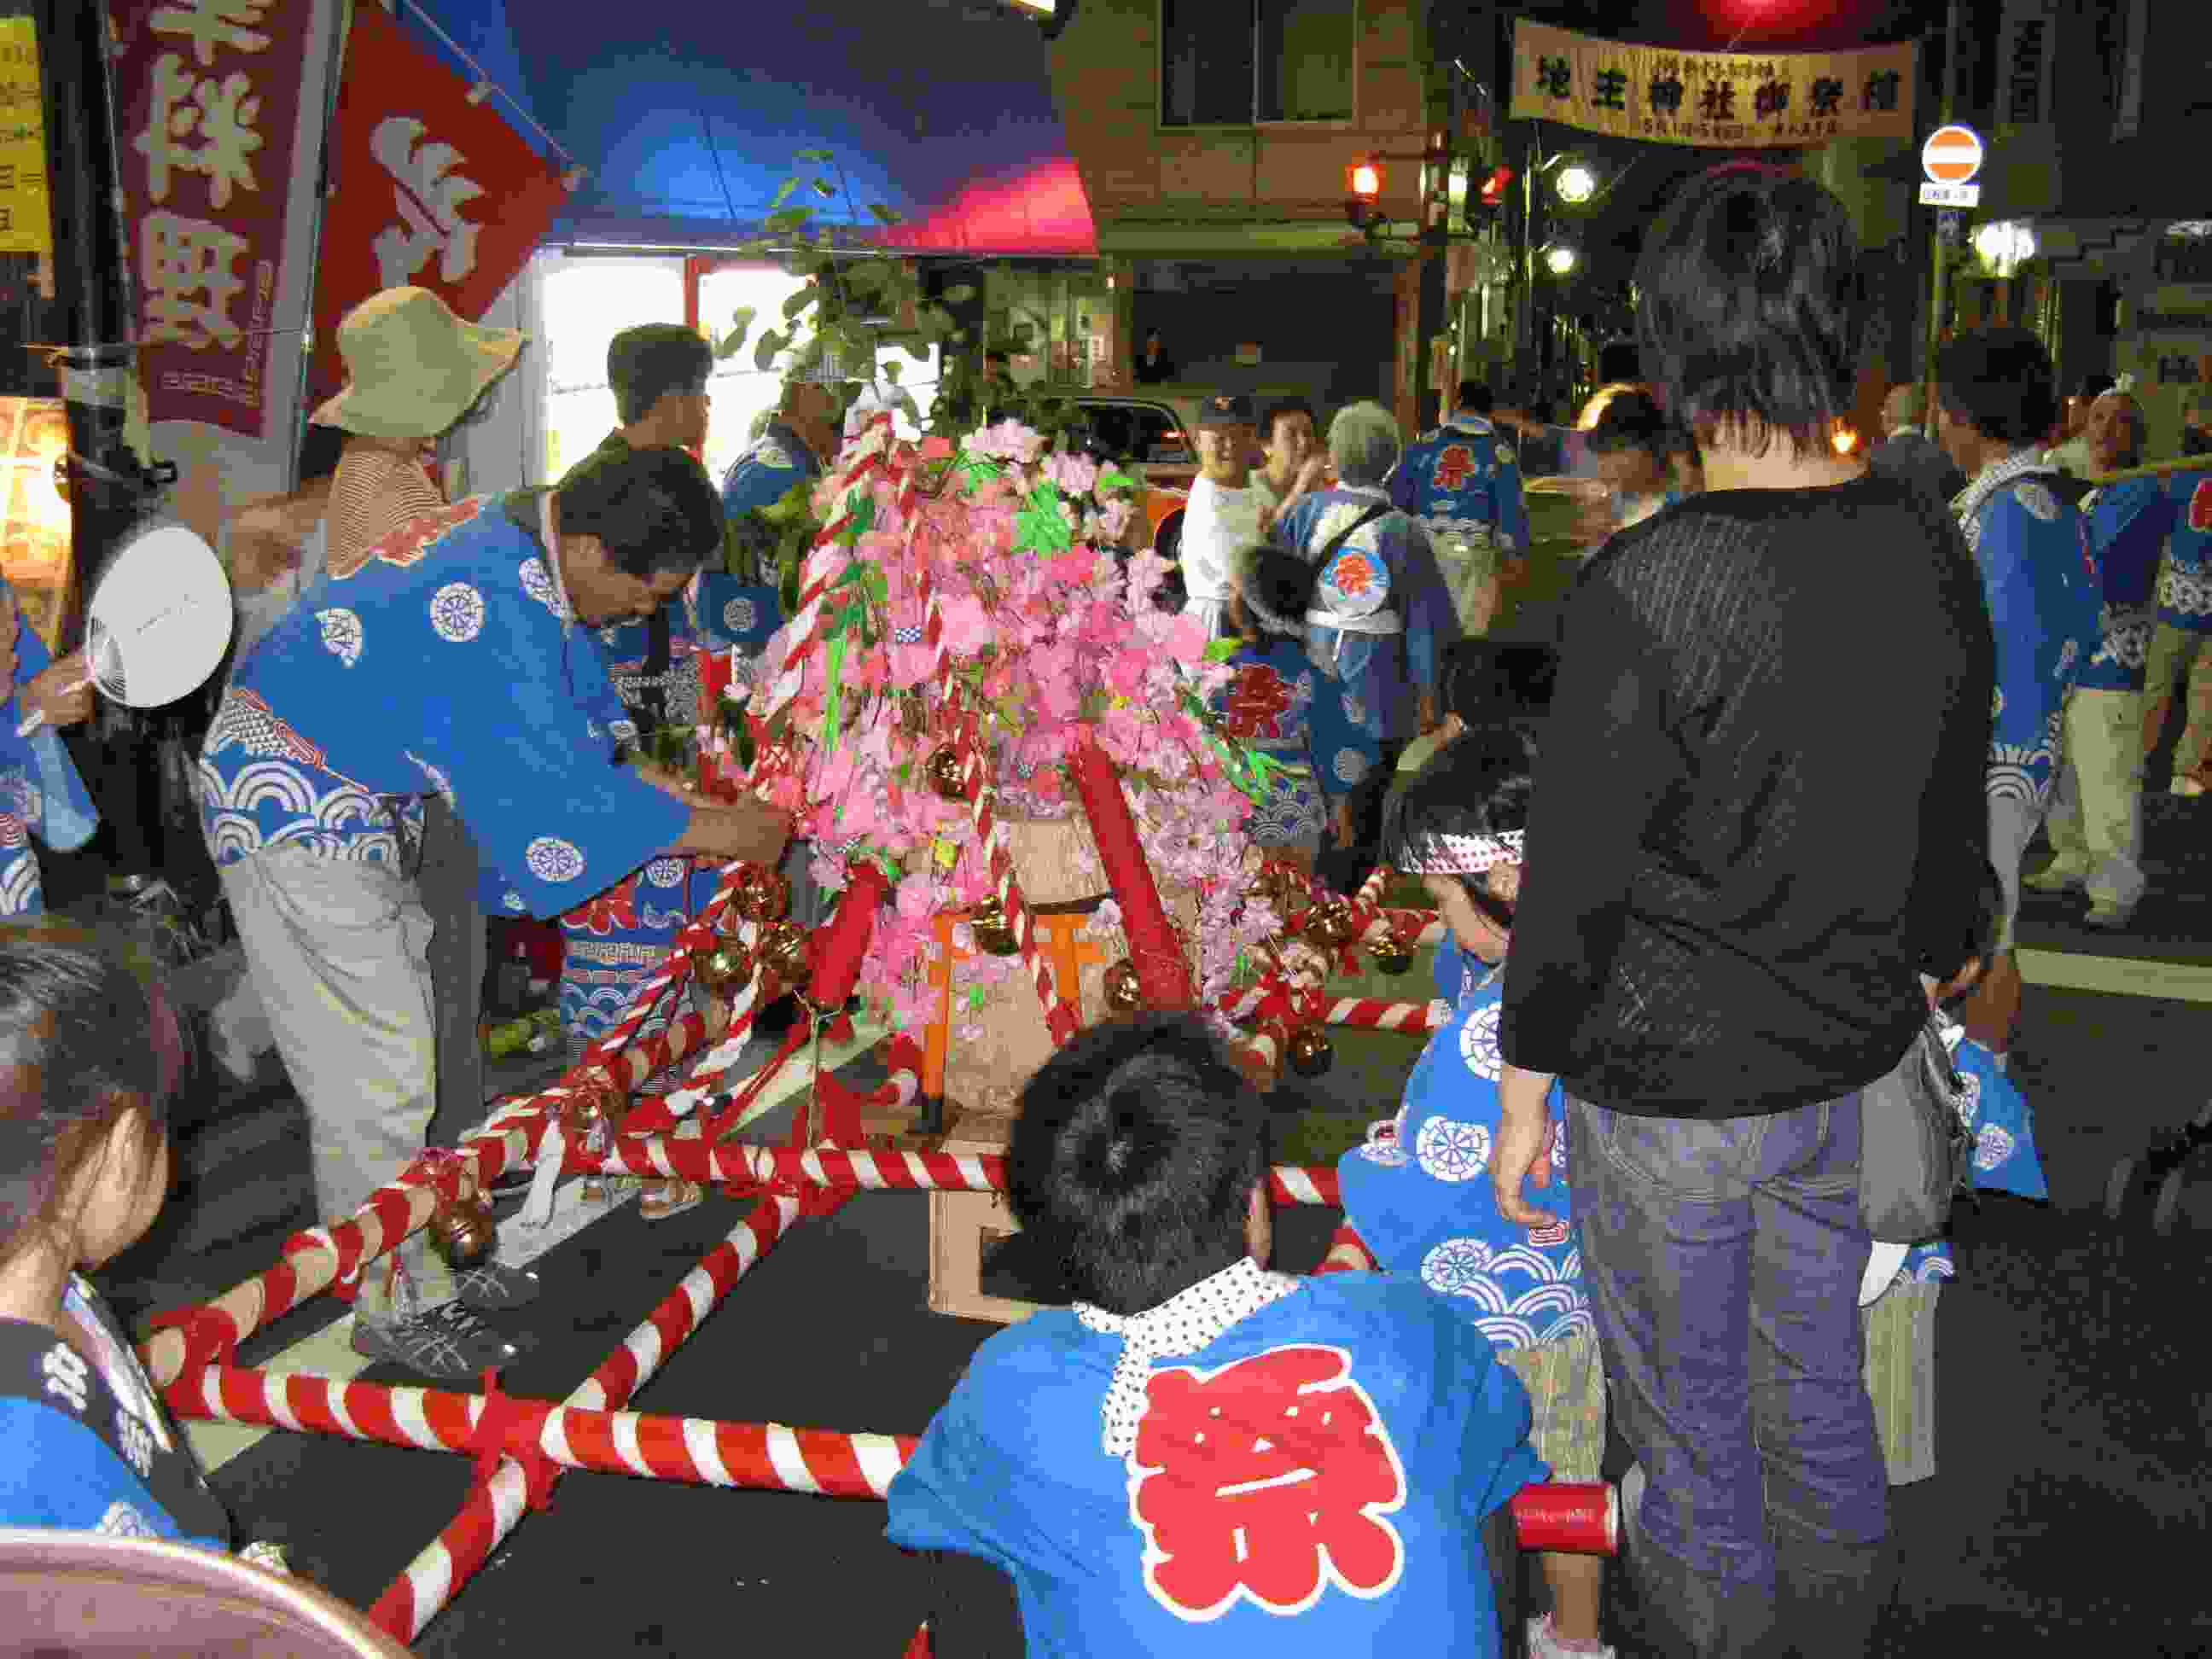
(446, 884)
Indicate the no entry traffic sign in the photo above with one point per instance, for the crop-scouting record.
(1950, 158)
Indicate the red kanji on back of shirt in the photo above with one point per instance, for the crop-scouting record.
(2200, 508)
(1454, 467)
(1268, 1478)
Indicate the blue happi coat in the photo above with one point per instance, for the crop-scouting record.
(2128, 526)
(40, 793)
(447, 661)
(766, 473)
(2039, 579)
(2005, 1156)
(1309, 1484)
(1464, 480)
(1323, 752)
(2184, 586)
(1384, 568)
(1419, 1194)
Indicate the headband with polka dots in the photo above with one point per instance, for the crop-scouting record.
(1463, 855)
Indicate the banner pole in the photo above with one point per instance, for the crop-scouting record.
(1945, 218)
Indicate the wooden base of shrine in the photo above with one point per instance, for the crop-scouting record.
(963, 1225)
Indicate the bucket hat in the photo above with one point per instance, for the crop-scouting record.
(413, 368)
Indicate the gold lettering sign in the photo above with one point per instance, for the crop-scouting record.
(1726, 99)
(25, 225)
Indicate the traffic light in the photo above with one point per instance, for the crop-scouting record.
(1489, 199)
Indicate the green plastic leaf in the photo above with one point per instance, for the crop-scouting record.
(889, 372)
(1039, 528)
(764, 352)
(1222, 650)
(783, 193)
(798, 302)
(961, 294)
(883, 215)
(820, 158)
(1113, 478)
(824, 188)
(789, 219)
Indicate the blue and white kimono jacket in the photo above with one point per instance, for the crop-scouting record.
(40, 793)
(1322, 753)
(617, 941)
(2128, 526)
(447, 661)
(2040, 582)
(1419, 1194)
(1382, 614)
(1463, 482)
(2184, 586)
(765, 474)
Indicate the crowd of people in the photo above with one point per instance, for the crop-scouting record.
(1698, 904)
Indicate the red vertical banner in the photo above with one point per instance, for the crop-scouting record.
(207, 107)
(429, 186)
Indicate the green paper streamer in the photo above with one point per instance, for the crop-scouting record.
(833, 696)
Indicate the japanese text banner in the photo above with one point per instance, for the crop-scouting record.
(428, 187)
(208, 107)
(1726, 99)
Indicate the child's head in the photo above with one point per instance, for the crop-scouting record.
(1485, 680)
(1631, 445)
(1275, 591)
(1141, 1155)
(1460, 826)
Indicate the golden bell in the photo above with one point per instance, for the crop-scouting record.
(992, 937)
(783, 951)
(727, 965)
(1332, 924)
(942, 770)
(1310, 1051)
(587, 1109)
(1125, 987)
(762, 896)
(463, 1235)
(1392, 955)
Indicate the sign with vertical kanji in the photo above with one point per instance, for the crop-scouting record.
(207, 107)
(26, 221)
(429, 186)
(1738, 100)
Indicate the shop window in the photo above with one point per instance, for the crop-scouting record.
(1241, 63)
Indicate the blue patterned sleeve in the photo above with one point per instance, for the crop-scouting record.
(1509, 509)
(542, 796)
(1432, 623)
(1405, 481)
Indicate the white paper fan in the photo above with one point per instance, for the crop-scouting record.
(158, 624)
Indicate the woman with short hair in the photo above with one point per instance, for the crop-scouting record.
(1752, 854)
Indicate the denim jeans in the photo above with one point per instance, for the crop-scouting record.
(1722, 1260)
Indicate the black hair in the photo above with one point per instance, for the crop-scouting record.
(320, 448)
(1479, 784)
(1633, 420)
(1277, 589)
(646, 363)
(1280, 407)
(654, 510)
(2000, 382)
(1475, 395)
(86, 1036)
(1755, 304)
(1134, 1158)
(1617, 360)
(1480, 679)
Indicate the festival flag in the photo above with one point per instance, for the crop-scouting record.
(430, 186)
(1741, 100)
(208, 107)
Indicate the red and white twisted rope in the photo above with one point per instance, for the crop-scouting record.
(1060, 1015)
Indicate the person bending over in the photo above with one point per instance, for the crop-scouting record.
(1200, 1455)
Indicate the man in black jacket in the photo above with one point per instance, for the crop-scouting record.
(1909, 451)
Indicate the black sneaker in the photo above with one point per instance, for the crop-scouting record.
(448, 1343)
(495, 1287)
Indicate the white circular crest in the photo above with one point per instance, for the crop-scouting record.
(457, 611)
(551, 859)
(1456, 1266)
(2038, 499)
(1991, 1147)
(1350, 766)
(2066, 652)
(664, 872)
(512, 900)
(1970, 1099)
(739, 615)
(1452, 1150)
(1477, 1043)
(341, 635)
(1506, 455)
(1997, 703)
(623, 731)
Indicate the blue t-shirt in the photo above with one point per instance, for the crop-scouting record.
(447, 661)
(1310, 1483)
(2185, 587)
(1464, 479)
(1420, 1195)
(40, 793)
